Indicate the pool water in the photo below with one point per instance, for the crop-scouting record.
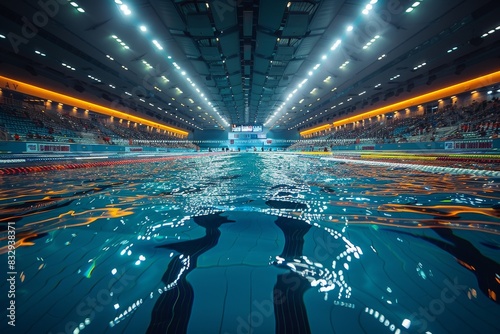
(252, 243)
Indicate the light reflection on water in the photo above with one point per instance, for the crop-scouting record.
(245, 242)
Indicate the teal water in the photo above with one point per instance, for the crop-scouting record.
(253, 243)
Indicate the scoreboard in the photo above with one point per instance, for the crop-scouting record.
(246, 128)
(252, 135)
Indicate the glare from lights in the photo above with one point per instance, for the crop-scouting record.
(126, 11)
(143, 28)
(350, 28)
(344, 64)
(157, 44)
(336, 44)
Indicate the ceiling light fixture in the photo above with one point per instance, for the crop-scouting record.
(349, 28)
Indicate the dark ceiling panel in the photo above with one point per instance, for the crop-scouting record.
(284, 53)
(272, 83)
(261, 65)
(168, 14)
(256, 91)
(224, 14)
(271, 13)
(217, 70)
(188, 46)
(265, 44)
(237, 89)
(247, 52)
(200, 67)
(276, 70)
(296, 25)
(210, 53)
(199, 25)
(235, 80)
(325, 13)
(213, 90)
(307, 45)
(248, 23)
(233, 65)
(259, 79)
(293, 67)
(230, 44)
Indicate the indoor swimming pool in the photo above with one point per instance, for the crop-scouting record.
(251, 243)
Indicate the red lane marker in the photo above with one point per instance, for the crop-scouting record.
(34, 169)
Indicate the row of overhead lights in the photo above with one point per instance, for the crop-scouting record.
(370, 42)
(452, 49)
(144, 29)
(334, 106)
(366, 11)
(419, 66)
(127, 12)
(122, 43)
(94, 78)
(149, 66)
(78, 8)
(413, 6)
(490, 32)
(68, 66)
(81, 10)
(334, 47)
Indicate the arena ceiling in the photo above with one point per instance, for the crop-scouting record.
(286, 64)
